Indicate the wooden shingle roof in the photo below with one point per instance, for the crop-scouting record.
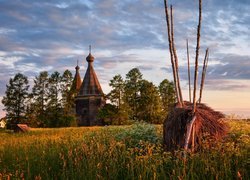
(90, 85)
(77, 82)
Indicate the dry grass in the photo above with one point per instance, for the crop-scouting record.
(208, 124)
(119, 152)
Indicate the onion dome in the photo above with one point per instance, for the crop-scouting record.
(90, 58)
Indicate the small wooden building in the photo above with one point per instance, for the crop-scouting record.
(21, 128)
(2, 123)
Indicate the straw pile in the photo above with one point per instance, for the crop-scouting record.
(207, 125)
(189, 123)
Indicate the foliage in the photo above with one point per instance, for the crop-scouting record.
(15, 96)
(50, 104)
(67, 94)
(54, 90)
(112, 115)
(137, 133)
(122, 152)
(149, 106)
(39, 99)
(66, 121)
(60, 101)
(52, 100)
(54, 109)
(167, 94)
(132, 88)
(117, 92)
(108, 113)
(140, 99)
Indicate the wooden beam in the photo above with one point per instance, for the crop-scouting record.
(203, 74)
(197, 57)
(189, 79)
(175, 56)
(171, 52)
(188, 134)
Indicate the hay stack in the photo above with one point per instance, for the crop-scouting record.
(207, 124)
(189, 123)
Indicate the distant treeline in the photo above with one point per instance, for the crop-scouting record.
(137, 99)
(50, 102)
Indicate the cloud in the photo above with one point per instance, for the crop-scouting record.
(227, 85)
(231, 67)
(222, 73)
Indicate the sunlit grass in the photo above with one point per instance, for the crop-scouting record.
(119, 152)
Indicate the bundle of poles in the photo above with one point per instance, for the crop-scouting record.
(184, 117)
(174, 59)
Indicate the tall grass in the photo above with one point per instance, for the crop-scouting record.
(119, 152)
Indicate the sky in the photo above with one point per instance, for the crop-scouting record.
(51, 35)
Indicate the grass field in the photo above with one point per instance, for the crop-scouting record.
(125, 152)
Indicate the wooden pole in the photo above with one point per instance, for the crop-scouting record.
(203, 74)
(175, 56)
(189, 130)
(189, 79)
(207, 62)
(197, 57)
(171, 53)
(193, 138)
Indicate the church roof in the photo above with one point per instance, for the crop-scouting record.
(90, 58)
(77, 82)
(90, 85)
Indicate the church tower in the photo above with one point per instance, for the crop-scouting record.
(90, 97)
(77, 82)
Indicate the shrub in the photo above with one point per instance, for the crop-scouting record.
(139, 131)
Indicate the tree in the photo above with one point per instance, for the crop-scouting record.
(14, 99)
(108, 113)
(132, 90)
(116, 94)
(40, 97)
(167, 93)
(68, 100)
(111, 115)
(54, 109)
(137, 99)
(117, 112)
(54, 89)
(59, 104)
(150, 106)
(67, 96)
(33, 117)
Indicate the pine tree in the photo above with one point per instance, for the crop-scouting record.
(167, 93)
(54, 110)
(14, 99)
(150, 106)
(67, 95)
(54, 90)
(40, 97)
(117, 112)
(132, 90)
(116, 94)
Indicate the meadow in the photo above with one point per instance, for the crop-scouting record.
(120, 152)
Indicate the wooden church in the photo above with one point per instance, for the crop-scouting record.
(90, 97)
